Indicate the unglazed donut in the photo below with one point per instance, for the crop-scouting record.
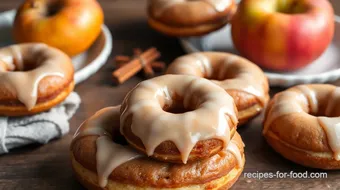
(202, 118)
(33, 78)
(242, 79)
(99, 162)
(302, 122)
(188, 17)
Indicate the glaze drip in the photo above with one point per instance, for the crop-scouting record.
(283, 106)
(109, 154)
(161, 5)
(311, 96)
(331, 125)
(305, 99)
(246, 80)
(232, 148)
(24, 84)
(153, 125)
(332, 128)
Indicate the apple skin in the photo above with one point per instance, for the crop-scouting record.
(282, 41)
(72, 29)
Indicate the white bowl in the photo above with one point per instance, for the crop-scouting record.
(325, 69)
(85, 64)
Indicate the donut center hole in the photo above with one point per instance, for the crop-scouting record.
(118, 138)
(177, 108)
(290, 7)
(53, 7)
(12, 66)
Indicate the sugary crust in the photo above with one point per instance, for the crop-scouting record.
(200, 18)
(197, 30)
(146, 173)
(314, 159)
(299, 136)
(167, 151)
(247, 105)
(44, 103)
(88, 179)
(196, 13)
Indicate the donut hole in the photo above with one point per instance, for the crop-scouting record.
(290, 7)
(177, 107)
(12, 66)
(28, 66)
(119, 138)
(53, 7)
(227, 76)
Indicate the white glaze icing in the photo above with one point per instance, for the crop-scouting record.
(311, 96)
(332, 102)
(248, 79)
(332, 128)
(232, 148)
(161, 5)
(289, 102)
(213, 108)
(109, 154)
(24, 84)
(331, 125)
(283, 106)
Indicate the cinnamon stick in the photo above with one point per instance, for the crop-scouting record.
(148, 71)
(122, 58)
(135, 65)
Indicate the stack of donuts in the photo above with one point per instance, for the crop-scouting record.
(176, 131)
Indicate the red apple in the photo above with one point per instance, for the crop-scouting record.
(283, 35)
(70, 25)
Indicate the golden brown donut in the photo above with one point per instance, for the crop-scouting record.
(121, 167)
(302, 122)
(202, 118)
(189, 18)
(242, 79)
(33, 78)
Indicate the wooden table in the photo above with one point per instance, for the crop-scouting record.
(48, 166)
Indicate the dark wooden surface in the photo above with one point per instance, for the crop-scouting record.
(48, 166)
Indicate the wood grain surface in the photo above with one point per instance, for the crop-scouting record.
(48, 166)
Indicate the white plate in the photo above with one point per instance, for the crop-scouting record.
(85, 64)
(325, 69)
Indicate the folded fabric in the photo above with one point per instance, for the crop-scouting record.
(39, 128)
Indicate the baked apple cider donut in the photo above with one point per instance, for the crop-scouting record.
(242, 79)
(189, 17)
(33, 78)
(302, 124)
(178, 118)
(101, 160)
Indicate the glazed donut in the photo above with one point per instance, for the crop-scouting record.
(69, 25)
(100, 162)
(243, 80)
(202, 118)
(33, 78)
(302, 122)
(189, 18)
